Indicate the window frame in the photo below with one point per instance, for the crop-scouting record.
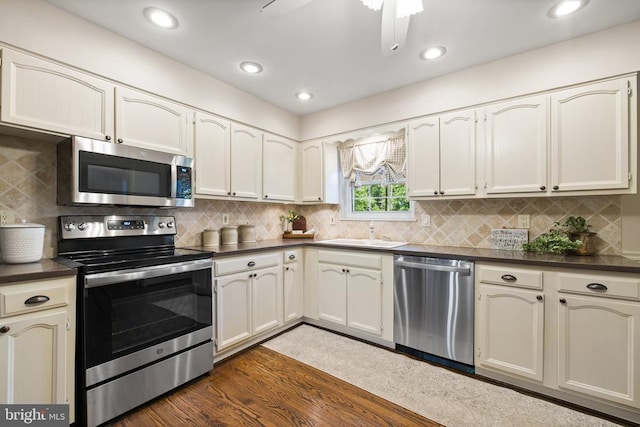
(347, 212)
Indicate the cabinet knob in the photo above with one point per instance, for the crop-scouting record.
(542, 187)
(233, 194)
(435, 192)
(563, 301)
(319, 199)
(555, 187)
(228, 193)
(286, 268)
(266, 196)
(539, 297)
(4, 329)
(120, 141)
(441, 192)
(107, 137)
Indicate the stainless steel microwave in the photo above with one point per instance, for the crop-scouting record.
(93, 172)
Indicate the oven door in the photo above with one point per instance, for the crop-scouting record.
(135, 317)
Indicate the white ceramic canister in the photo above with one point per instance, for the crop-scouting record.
(22, 242)
(246, 233)
(229, 235)
(210, 237)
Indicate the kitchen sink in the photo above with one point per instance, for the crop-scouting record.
(365, 243)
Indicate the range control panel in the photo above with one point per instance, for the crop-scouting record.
(91, 226)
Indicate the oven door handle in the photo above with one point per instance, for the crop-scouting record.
(113, 277)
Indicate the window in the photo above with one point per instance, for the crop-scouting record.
(374, 186)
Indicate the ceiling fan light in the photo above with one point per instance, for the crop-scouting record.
(406, 8)
(373, 4)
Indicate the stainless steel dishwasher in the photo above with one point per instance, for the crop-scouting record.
(433, 309)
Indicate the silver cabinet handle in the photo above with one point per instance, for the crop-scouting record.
(38, 299)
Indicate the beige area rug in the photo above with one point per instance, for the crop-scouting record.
(435, 393)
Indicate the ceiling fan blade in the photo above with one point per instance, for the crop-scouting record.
(394, 30)
(280, 7)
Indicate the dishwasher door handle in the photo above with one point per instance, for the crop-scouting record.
(434, 267)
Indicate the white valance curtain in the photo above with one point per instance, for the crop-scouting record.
(386, 157)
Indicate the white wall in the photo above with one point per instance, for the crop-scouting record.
(607, 53)
(41, 28)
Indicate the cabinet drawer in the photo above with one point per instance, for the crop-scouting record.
(291, 256)
(509, 276)
(246, 263)
(14, 299)
(602, 285)
(356, 259)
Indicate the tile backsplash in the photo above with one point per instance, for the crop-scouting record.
(28, 187)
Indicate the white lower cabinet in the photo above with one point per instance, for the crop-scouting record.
(248, 297)
(354, 290)
(37, 342)
(576, 338)
(293, 286)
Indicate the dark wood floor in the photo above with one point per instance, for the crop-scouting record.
(261, 387)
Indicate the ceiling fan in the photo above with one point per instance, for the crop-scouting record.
(395, 17)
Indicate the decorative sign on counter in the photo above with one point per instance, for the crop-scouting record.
(509, 238)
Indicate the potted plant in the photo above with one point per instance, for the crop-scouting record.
(288, 219)
(554, 241)
(577, 229)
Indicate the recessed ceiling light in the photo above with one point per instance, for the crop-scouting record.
(566, 7)
(434, 52)
(304, 96)
(251, 67)
(161, 18)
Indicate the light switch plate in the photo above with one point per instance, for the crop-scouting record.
(6, 217)
(225, 219)
(426, 220)
(524, 221)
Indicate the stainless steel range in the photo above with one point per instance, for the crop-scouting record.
(144, 310)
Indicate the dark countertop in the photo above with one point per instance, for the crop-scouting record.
(43, 269)
(594, 262)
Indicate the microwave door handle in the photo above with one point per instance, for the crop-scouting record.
(174, 181)
(114, 277)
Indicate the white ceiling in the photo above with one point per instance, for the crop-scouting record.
(332, 47)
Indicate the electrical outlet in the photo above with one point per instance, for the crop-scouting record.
(6, 217)
(426, 220)
(332, 220)
(523, 221)
(225, 219)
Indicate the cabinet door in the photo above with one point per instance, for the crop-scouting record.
(516, 146)
(151, 122)
(332, 293)
(364, 300)
(510, 330)
(246, 161)
(599, 344)
(293, 289)
(279, 156)
(267, 299)
(233, 310)
(590, 137)
(458, 153)
(423, 157)
(212, 155)
(32, 359)
(43, 95)
(311, 172)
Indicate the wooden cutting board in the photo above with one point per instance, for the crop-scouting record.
(300, 224)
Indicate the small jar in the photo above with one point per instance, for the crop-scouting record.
(229, 235)
(210, 237)
(246, 233)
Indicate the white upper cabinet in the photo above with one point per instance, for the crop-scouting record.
(42, 95)
(147, 121)
(458, 153)
(516, 146)
(279, 156)
(441, 155)
(318, 171)
(246, 162)
(590, 133)
(423, 157)
(212, 155)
